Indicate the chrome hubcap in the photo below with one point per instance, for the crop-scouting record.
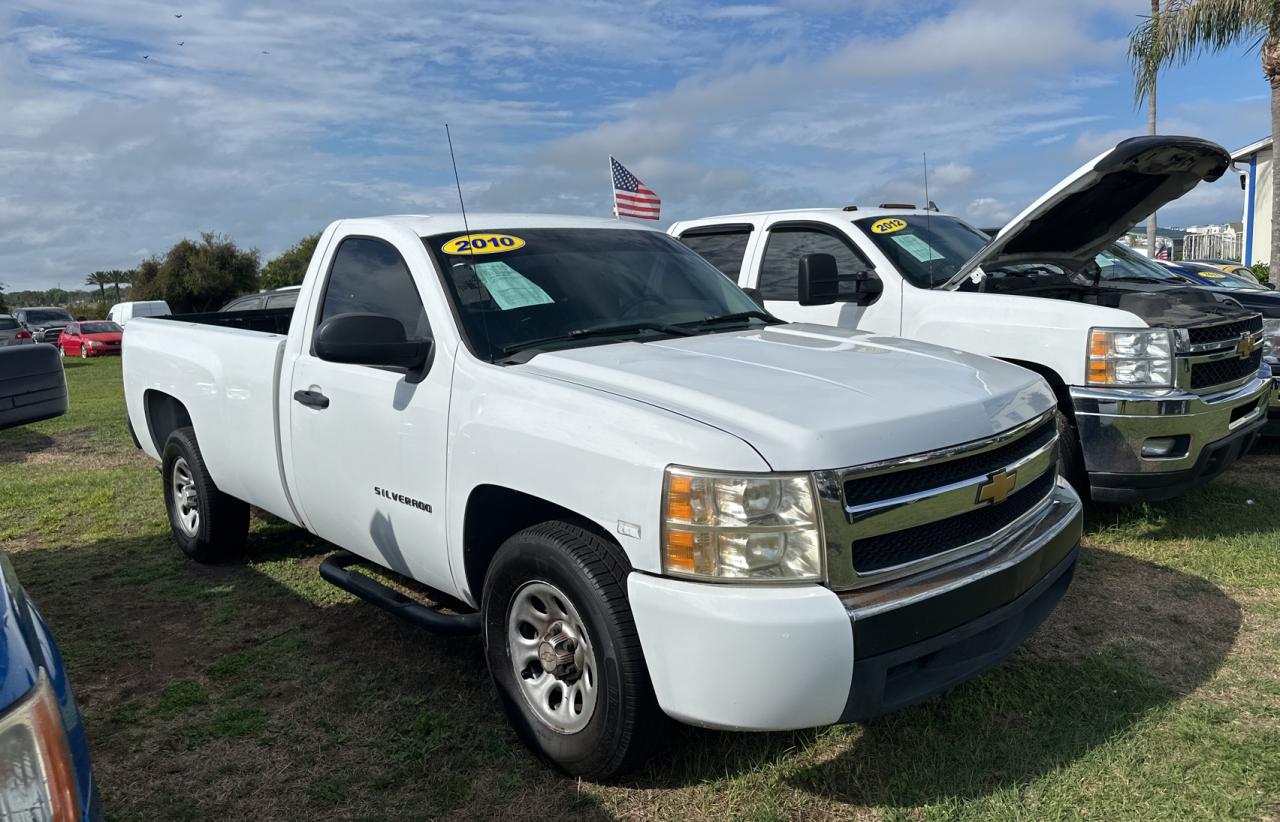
(552, 657)
(185, 500)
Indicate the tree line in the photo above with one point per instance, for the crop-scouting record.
(192, 276)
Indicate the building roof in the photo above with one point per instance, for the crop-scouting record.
(1252, 148)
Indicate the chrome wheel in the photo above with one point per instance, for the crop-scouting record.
(186, 502)
(84, 353)
(551, 653)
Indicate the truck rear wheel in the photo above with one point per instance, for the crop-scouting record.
(208, 525)
(563, 650)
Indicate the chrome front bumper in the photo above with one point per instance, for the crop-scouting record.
(1210, 432)
(920, 635)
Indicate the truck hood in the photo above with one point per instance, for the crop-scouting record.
(1094, 206)
(810, 397)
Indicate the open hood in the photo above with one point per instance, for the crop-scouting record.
(1095, 205)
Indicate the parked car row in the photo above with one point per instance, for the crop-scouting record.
(637, 478)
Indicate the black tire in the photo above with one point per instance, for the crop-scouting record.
(222, 521)
(592, 572)
(1071, 455)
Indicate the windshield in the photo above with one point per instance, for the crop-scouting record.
(100, 328)
(565, 287)
(8, 324)
(927, 249)
(1218, 279)
(52, 315)
(1121, 264)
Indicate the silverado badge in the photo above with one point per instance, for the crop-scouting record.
(997, 487)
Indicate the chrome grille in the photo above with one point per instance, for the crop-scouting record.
(887, 520)
(1223, 372)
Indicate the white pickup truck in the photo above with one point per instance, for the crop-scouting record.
(1160, 389)
(645, 492)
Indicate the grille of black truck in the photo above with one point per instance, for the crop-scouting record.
(1224, 332)
(1221, 372)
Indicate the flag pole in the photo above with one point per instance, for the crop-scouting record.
(612, 193)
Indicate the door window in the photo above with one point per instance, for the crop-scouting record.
(779, 271)
(370, 276)
(722, 246)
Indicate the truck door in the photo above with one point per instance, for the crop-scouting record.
(367, 447)
(777, 269)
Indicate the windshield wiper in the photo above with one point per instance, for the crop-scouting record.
(513, 350)
(737, 316)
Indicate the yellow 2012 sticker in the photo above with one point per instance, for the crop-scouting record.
(482, 244)
(888, 225)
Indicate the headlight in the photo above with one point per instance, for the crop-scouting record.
(94, 344)
(1270, 338)
(37, 779)
(1129, 357)
(753, 527)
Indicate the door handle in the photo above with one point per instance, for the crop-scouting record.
(311, 399)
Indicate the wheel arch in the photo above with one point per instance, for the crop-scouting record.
(494, 513)
(1055, 381)
(164, 414)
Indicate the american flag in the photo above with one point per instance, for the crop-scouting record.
(630, 196)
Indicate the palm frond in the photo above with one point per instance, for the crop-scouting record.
(1186, 28)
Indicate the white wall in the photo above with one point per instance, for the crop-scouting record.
(1261, 196)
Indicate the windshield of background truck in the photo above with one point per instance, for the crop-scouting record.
(927, 250)
(1219, 279)
(48, 316)
(548, 284)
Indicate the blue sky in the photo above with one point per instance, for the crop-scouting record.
(108, 158)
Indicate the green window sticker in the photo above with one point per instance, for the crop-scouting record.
(508, 287)
(917, 247)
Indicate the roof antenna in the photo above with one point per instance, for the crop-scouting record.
(928, 213)
(471, 251)
(458, 183)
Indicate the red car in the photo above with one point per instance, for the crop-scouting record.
(92, 338)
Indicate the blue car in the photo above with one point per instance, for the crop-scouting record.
(45, 774)
(44, 759)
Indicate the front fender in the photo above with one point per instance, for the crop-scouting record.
(1052, 333)
(599, 455)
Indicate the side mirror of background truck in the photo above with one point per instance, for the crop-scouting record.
(819, 281)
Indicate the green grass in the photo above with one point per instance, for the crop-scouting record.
(255, 690)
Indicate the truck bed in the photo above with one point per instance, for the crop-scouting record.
(266, 320)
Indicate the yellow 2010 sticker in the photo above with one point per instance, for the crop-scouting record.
(888, 225)
(482, 244)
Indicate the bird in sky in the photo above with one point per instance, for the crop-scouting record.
(181, 42)
(146, 56)
(266, 52)
(179, 16)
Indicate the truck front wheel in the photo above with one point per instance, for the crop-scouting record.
(208, 525)
(564, 653)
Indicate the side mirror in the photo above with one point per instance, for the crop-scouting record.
(868, 287)
(372, 339)
(756, 296)
(34, 387)
(819, 283)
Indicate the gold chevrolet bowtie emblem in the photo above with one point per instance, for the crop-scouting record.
(997, 487)
(1246, 347)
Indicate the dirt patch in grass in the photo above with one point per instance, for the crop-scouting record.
(1177, 627)
(73, 450)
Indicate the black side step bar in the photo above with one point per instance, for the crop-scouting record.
(335, 571)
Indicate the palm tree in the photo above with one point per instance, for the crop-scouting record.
(100, 279)
(1185, 28)
(117, 277)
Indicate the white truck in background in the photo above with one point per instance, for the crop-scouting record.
(1160, 389)
(647, 494)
